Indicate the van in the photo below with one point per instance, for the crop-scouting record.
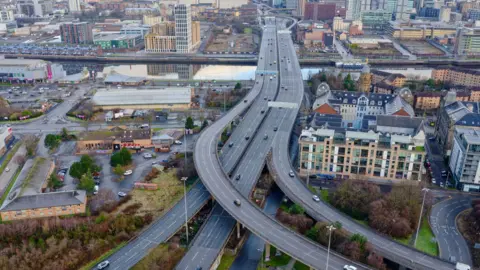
(144, 126)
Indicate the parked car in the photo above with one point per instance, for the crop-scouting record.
(128, 172)
(147, 155)
(95, 190)
(349, 267)
(122, 194)
(178, 142)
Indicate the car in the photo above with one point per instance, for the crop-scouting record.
(238, 177)
(178, 142)
(434, 181)
(269, 99)
(237, 202)
(245, 101)
(103, 265)
(147, 155)
(316, 198)
(95, 190)
(7, 169)
(247, 138)
(442, 184)
(265, 98)
(230, 144)
(275, 128)
(444, 173)
(452, 259)
(154, 162)
(265, 136)
(291, 174)
(128, 172)
(349, 267)
(122, 194)
(432, 138)
(262, 111)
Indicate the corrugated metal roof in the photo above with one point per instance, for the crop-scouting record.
(174, 95)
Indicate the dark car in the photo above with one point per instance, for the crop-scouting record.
(275, 128)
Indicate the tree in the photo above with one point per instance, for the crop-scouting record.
(204, 124)
(86, 163)
(189, 123)
(296, 209)
(104, 200)
(86, 182)
(20, 159)
(430, 83)
(118, 170)
(30, 144)
(238, 86)
(64, 133)
(323, 77)
(52, 141)
(54, 182)
(348, 83)
(122, 157)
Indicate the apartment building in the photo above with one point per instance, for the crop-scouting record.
(386, 147)
(457, 76)
(454, 114)
(6, 15)
(33, 8)
(427, 100)
(28, 197)
(393, 79)
(353, 106)
(467, 41)
(465, 159)
(76, 33)
(319, 11)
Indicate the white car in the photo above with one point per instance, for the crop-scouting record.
(95, 190)
(7, 169)
(103, 265)
(178, 142)
(147, 155)
(122, 194)
(349, 267)
(316, 198)
(291, 174)
(128, 172)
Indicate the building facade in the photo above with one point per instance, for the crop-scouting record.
(467, 41)
(74, 6)
(392, 150)
(33, 8)
(6, 15)
(375, 19)
(183, 29)
(427, 100)
(118, 41)
(419, 30)
(465, 159)
(76, 33)
(29, 71)
(5, 138)
(457, 76)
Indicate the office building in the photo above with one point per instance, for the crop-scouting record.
(404, 10)
(183, 28)
(353, 106)
(319, 11)
(163, 37)
(6, 15)
(354, 8)
(473, 14)
(229, 4)
(33, 8)
(152, 20)
(433, 3)
(118, 41)
(444, 15)
(457, 76)
(74, 6)
(464, 162)
(385, 147)
(419, 30)
(375, 19)
(429, 12)
(76, 33)
(141, 30)
(467, 41)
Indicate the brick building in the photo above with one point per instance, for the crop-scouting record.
(76, 33)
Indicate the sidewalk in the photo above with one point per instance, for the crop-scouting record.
(5, 177)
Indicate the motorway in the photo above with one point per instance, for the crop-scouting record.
(203, 252)
(217, 182)
(451, 243)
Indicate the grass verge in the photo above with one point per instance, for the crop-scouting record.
(103, 257)
(324, 195)
(9, 157)
(226, 261)
(10, 185)
(300, 266)
(405, 241)
(163, 255)
(424, 241)
(281, 260)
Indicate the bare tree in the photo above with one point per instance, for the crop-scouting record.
(31, 144)
(20, 159)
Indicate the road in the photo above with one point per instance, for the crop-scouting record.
(217, 182)
(443, 221)
(204, 250)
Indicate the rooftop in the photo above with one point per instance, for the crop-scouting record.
(117, 37)
(115, 77)
(171, 95)
(115, 133)
(22, 62)
(45, 200)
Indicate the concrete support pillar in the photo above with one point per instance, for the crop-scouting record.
(238, 230)
(267, 252)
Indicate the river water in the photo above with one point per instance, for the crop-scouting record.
(219, 72)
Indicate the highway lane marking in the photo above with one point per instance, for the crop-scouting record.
(131, 256)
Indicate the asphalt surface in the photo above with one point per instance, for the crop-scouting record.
(451, 243)
(251, 252)
(211, 172)
(160, 230)
(202, 253)
(295, 189)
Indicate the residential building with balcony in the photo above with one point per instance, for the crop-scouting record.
(464, 161)
(386, 147)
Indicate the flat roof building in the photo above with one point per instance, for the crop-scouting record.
(164, 98)
(29, 70)
(465, 159)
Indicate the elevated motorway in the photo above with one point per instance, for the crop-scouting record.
(295, 189)
(217, 182)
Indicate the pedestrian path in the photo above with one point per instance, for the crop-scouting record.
(5, 177)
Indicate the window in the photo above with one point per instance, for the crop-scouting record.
(379, 103)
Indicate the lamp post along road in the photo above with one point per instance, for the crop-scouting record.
(330, 229)
(184, 180)
(425, 190)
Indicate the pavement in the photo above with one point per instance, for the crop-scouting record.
(6, 177)
(443, 216)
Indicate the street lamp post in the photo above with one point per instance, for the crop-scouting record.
(330, 229)
(425, 190)
(184, 179)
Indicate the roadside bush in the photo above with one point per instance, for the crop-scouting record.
(122, 158)
(52, 141)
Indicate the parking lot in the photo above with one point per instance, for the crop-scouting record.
(27, 93)
(39, 49)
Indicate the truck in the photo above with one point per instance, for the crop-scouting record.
(462, 266)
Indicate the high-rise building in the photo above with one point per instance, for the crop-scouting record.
(74, 5)
(465, 159)
(183, 28)
(31, 8)
(444, 15)
(375, 19)
(467, 41)
(473, 14)
(76, 33)
(225, 4)
(353, 9)
(6, 15)
(319, 11)
(404, 9)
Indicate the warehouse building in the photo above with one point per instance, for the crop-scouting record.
(165, 98)
(29, 71)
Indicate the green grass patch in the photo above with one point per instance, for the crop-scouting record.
(324, 195)
(247, 31)
(103, 257)
(9, 157)
(156, 129)
(281, 260)
(226, 261)
(405, 241)
(361, 221)
(10, 185)
(425, 237)
(300, 266)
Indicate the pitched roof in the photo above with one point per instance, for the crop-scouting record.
(45, 200)
(326, 109)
